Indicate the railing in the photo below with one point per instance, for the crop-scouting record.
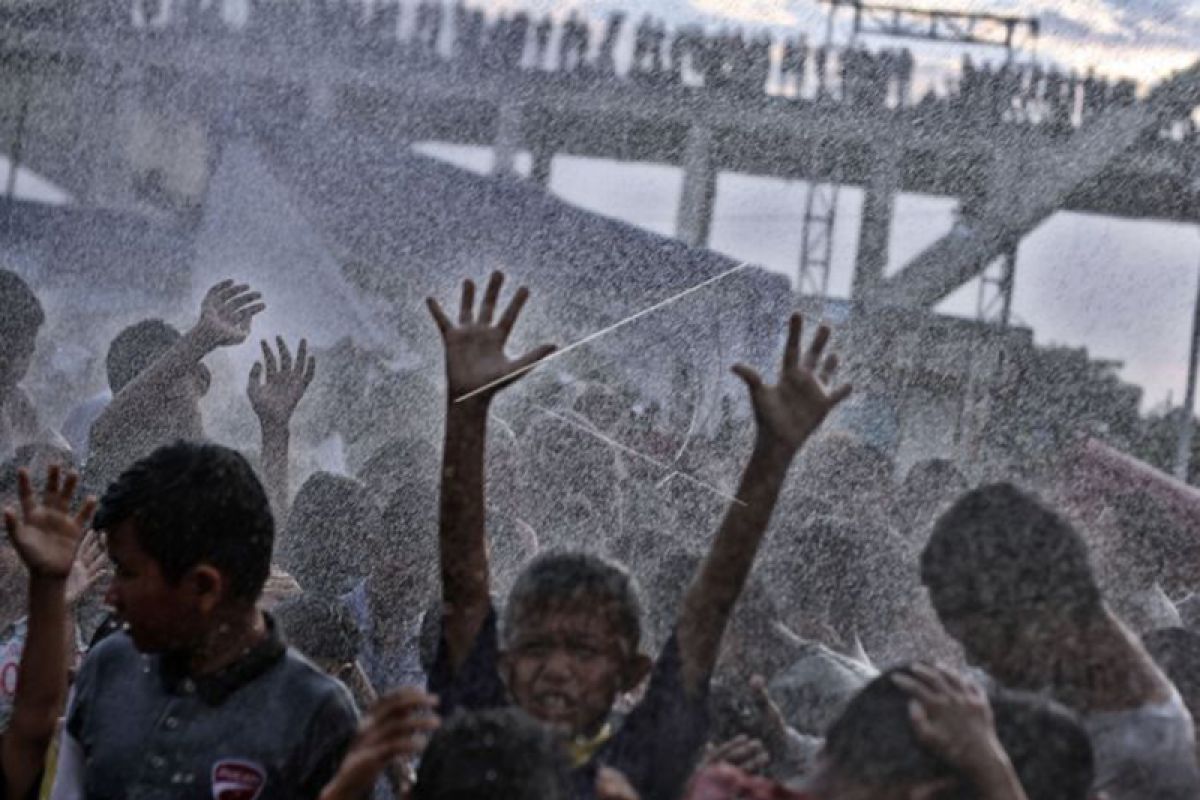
(732, 63)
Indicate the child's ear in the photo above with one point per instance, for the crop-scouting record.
(636, 670)
(208, 584)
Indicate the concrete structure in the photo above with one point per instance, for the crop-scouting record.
(129, 117)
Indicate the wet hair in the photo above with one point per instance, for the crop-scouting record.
(23, 314)
(495, 753)
(1047, 745)
(559, 579)
(136, 348)
(191, 504)
(873, 742)
(1000, 552)
(332, 530)
(319, 627)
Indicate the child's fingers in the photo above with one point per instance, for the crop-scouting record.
(85, 513)
(70, 484)
(25, 492)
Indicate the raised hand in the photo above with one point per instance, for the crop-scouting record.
(90, 564)
(276, 387)
(395, 728)
(226, 314)
(952, 717)
(475, 361)
(788, 412)
(45, 533)
(747, 754)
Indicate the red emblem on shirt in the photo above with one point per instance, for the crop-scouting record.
(233, 779)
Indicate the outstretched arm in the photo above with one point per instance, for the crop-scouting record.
(275, 389)
(786, 415)
(46, 535)
(225, 316)
(477, 366)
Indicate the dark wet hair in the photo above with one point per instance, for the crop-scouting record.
(1047, 744)
(136, 348)
(196, 504)
(499, 753)
(23, 314)
(320, 628)
(873, 741)
(332, 529)
(1000, 552)
(563, 578)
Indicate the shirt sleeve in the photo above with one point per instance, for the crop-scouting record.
(657, 745)
(69, 771)
(477, 683)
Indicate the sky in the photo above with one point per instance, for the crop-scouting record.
(1123, 289)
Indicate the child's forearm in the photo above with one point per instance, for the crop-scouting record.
(461, 530)
(41, 682)
(712, 596)
(276, 450)
(998, 780)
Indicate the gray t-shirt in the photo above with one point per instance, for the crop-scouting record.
(270, 727)
(1145, 753)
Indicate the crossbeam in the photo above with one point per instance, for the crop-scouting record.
(932, 25)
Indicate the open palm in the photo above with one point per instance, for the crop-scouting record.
(476, 364)
(788, 412)
(226, 314)
(45, 533)
(276, 387)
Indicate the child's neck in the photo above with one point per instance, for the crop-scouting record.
(229, 640)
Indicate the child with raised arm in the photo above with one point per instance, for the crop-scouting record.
(162, 403)
(199, 696)
(46, 535)
(569, 641)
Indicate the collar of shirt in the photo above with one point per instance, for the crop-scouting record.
(216, 687)
(581, 750)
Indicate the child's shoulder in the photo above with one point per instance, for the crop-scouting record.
(308, 683)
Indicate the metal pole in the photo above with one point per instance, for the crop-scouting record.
(1184, 452)
(14, 160)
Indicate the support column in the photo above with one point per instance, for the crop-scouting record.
(879, 197)
(105, 141)
(510, 132)
(543, 160)
(694, 218)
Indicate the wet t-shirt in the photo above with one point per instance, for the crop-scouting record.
(1145, 753)
(655, 746)
(271, 726)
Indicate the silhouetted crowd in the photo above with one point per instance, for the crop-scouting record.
(756, 67)
(561, 593)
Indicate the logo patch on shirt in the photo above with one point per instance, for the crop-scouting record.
(233, 779)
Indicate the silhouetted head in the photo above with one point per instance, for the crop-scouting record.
(20, 322)
(1001, 568)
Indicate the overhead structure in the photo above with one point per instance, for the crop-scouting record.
(1026, 188)
(1009, 31)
